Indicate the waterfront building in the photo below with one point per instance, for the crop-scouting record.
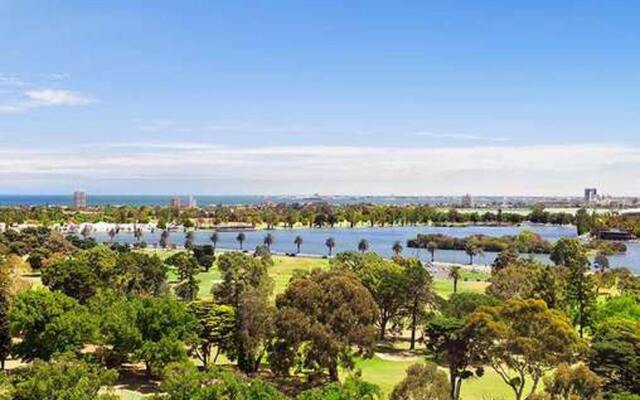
(175, 202)
(192, 202)
(80, 199)
(467, 201)
(590, 195)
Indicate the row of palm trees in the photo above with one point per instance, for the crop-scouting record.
(471, 250)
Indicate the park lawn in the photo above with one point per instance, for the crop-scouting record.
(387, 373)
(444, 287)
(284, 267)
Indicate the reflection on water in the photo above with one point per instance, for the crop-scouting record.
(380, 241)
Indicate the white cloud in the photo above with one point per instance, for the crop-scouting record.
(37, 98)
(56, 97)
(207, 168)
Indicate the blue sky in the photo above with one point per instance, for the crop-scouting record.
(319, 96)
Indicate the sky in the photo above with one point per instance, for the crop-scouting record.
(331, 97)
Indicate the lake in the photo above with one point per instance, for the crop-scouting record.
(380, 241)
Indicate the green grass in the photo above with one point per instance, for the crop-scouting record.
(284, 268)
(387, 373)
(444, 287)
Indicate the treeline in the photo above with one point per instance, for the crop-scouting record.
(524, 242)
(286, 215)
(102, 310)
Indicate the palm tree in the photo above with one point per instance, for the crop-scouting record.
(397, 248)
(363, 246)
(112, 234)
(472, 250)
(189, 238)
(601, 262)
(240, 238)
(298, 242)
(214, 239)
(330, 243)
(432, 247)
(137, 234)
(164, 239)
(86, 231)
(268, 240)
(455, 273)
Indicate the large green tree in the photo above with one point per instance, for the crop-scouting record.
(216, 325)
(615, 354)
(322, 318)
(581, 291)
(65, 378)
(386, 280)
(166, 327)
(422, 382)
(49, 323)
(524, 339)
(246, 287)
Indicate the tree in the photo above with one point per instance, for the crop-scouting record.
(432, 247)
(268, 240)
(577, 382)
(138, 234)
(524, 339)
(505, 258)
(298, 242)
(183, 381)
(246, 288)
(363, 246)
(397, 248)
(385, 280)
(581, 289)
(455, 273)
(214, 238)
(140, 274)
(119, 335)
(205, 256)
(72, 277)
(49, 323)
(165, 327)
(615, 354)
(419, 294)
(5, 333)
(189, 239)
(456, 347)
(164, 239)
(330, 243)
(65, 378)
(112, 234)
(517, 279)
(353, 388)
(601, 262)
(472, 249)
(241, 238)
(216, 328)
(422, 382)
(322, 317)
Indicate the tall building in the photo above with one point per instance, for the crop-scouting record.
(80, 199)
(192, 202)
(590, 195)
(175, 202)
(467, 201)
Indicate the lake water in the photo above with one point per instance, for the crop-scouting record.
(380, 241)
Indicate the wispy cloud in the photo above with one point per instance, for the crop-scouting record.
(46, 97)
(463, 136)
(170, 167)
